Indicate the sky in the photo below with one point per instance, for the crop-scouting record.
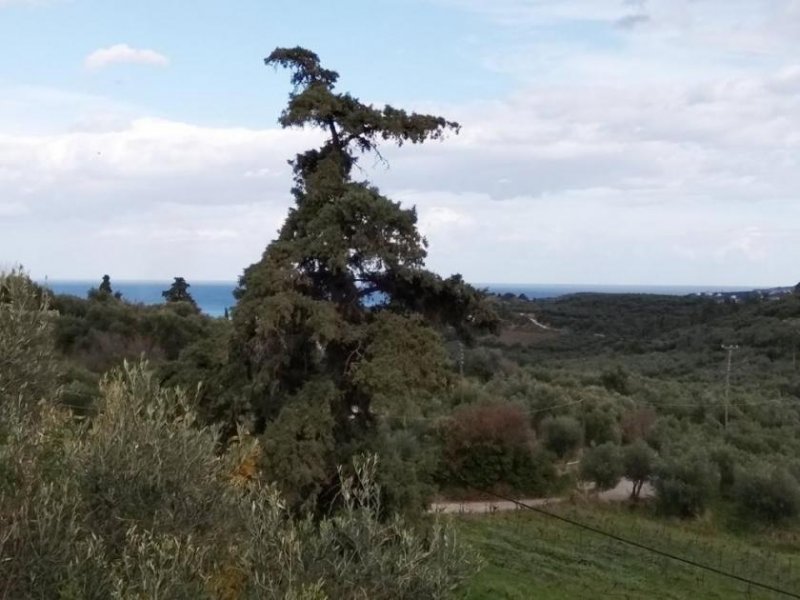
(603, 141)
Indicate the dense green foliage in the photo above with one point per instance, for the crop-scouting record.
(140, 504)
(486, 446)
(139, 501)
(563, 434)
(686, 484)
(649, 372)
(772, 495)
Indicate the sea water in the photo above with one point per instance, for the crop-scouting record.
(214, 297)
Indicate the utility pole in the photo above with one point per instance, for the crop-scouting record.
(730, 349)
(795, 325)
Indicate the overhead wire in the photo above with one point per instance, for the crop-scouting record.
(635, 544)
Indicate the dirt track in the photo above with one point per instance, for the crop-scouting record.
(620, 493)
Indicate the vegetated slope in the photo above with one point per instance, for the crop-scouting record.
(533, 556)
(639, 323)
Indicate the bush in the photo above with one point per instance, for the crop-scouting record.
(767, 496)
(636, 424)
(600, 426)
(28, 366)
(725, 460)
(487, 445)
(616, 380)
(483, 363)
(140, 503)
(145, 462)
(685, 485)
(562, 435)
(602, 465)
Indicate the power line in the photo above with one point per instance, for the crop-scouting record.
(440, 417)
(656, 405)
(635, 544)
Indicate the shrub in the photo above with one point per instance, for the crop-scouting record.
(636, 424)
(486, 445)
(616, 380)
(353, 554)
(767, 496)
(600, 426)
(725, 460)
(28, 366)
(140, 503)
(684, 485)
(145, 462)
(562, 435)
(602, 465)
(483, 363)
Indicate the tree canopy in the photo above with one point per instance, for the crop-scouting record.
(104, 290)
(179, 292)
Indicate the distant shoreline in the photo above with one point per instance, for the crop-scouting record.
(214, 297)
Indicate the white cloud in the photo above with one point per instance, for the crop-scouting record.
(124, 54)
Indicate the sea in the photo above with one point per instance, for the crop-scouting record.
(213, 297)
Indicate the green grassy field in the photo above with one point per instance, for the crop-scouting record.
(532, 556)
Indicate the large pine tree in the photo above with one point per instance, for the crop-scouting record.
(338, 325)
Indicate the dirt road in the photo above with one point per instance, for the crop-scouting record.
(620, 493)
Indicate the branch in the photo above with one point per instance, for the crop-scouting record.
(335, 136)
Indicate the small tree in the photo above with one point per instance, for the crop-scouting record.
(562, 435)
(725, 460)
(179, 292)
(684, 485)
(636, 424)
(767, 496)
(600, 426)
(638, 464)
(105, 286)
(104, 291)
(602, 465)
